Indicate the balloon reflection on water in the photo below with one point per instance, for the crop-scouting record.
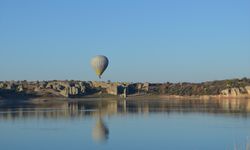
(100, 132)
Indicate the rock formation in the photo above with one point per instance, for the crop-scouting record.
(57, 88)
(247, 89)
(234, 92)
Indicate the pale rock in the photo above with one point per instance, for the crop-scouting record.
(225, 92)
(247, 89)
(145, 87)
(65, 92)
(73, 91)
(49, 86)
(235, 91)
(9, 86)
(1, 85)
(112, 89)
(20, 88)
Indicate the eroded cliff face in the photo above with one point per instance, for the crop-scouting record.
(45, 88)
(57, 88)
(234, 92)
(247, 89)
(62, 88)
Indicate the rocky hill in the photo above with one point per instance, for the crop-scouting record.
(56, 88)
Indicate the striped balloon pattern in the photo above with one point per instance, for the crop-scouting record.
(99, 64)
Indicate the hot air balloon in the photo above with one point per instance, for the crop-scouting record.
(99, 64)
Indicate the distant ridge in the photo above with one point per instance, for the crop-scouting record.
(78, 89)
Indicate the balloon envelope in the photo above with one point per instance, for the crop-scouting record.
(99, 64)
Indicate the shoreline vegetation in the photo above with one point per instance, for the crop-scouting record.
(231, 88)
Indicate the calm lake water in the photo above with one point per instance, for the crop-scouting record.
(122, 125)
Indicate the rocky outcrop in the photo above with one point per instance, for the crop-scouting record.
(1, 85)
(65, 88)
(71, 91)
(233, 92)
(143, 86)
(113, 89)
(47, 88)
(68, 89)
(19, 88)
(247, 89)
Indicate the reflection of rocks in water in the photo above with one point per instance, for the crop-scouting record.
(76, 109)
(244, 146)
(248, 144)
(100, 132)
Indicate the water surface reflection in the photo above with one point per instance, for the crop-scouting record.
(119, 124)
(100, 132)
(83, 108)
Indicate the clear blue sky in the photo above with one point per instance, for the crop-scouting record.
(145, 40)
